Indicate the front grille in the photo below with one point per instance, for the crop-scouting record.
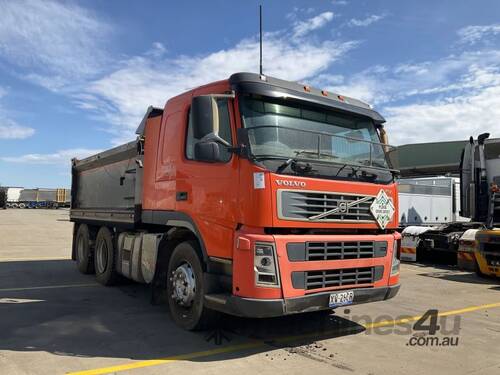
(305, 206)
(339, 250)
(338, 277)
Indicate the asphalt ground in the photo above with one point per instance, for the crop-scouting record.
(54, 320)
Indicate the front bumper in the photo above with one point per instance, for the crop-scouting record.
(267, 308)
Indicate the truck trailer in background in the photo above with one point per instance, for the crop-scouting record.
(480, 199)
(251, 196)
(429, 209)
(13, 194)
(38, 198)
(3, 198)
(469, 235)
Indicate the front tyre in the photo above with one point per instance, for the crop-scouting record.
(186, 289)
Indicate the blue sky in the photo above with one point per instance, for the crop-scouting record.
(76, 77)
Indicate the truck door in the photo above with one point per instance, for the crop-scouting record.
(208, 192)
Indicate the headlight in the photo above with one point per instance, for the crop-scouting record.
(395, 257)
(266, 270)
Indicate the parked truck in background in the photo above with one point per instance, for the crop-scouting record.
(38, 198)
(13, 194)
(429, 209)
(250, 196)
(480, 198)
(469, 235)
(3, 198)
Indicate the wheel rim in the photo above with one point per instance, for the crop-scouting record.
(183, 285)
(102, 257)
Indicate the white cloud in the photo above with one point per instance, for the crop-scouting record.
(450, 118)
(453, 74)
(302, 28)
(61, 45)
(473, 34)
(11, 130)
(339, 2)
(446, 99)
(366, 21)
(59, 157)
(57, 41)
(122, 97)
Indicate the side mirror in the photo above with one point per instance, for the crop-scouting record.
(205, 115)
(208, 151)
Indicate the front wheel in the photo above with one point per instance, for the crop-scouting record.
(186, 289)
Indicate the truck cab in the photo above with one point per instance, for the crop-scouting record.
(480, 186)
(252, 196)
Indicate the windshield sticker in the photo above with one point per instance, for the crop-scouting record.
(258, 180)
(382, 209)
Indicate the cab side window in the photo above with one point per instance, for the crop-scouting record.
(224, 131)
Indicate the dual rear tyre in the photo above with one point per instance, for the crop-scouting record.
(83, 251)
(105, 258)
(98, 257)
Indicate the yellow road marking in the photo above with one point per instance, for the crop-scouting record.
(33, 259)
(175, 358)
(48, 287)
(445, 313)
(259, 344)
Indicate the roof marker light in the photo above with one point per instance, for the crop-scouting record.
(341, 98)
(307, 89)
(324, 93)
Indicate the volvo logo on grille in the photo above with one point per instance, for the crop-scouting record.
(341, 208)
(291, 183)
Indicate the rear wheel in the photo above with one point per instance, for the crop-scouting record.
(186, 289)
(83, 250)
(104, 258)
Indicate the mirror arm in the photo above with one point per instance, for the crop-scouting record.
(212, 137)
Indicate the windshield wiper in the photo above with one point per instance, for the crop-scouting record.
(373, 163)
(297, 166)
(285, 165)
(297, 153)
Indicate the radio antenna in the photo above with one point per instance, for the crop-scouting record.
(260, 43)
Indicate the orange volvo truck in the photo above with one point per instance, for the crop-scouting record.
(251, 196)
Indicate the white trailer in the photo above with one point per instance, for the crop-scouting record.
(13, 194)
(429, 210)
(429, 201)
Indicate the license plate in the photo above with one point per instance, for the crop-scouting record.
(341, 298)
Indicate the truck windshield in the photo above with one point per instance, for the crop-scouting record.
(290, 130)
